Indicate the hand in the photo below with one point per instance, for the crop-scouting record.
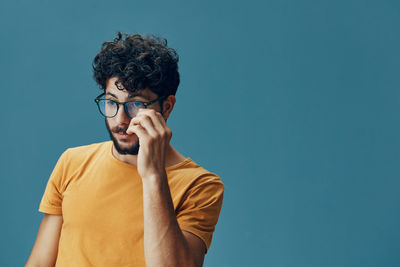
(154, 136)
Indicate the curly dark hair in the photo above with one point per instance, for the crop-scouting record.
(139, 62)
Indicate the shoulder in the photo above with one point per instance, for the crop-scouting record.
(189, 174)
(90, 148)
(79, 154)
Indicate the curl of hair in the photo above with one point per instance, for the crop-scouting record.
(139, 62)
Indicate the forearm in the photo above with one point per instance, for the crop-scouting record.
(164, 243)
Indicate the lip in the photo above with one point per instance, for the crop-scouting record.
(123, 135)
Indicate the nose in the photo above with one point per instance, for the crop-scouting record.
(122, 117)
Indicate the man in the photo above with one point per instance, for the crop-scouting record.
(134, 200)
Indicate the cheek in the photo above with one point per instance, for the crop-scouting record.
(109, 124)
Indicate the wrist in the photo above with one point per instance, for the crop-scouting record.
(155, 178)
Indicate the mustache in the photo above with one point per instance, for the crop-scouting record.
(120, 130)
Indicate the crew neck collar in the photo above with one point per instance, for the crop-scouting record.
(109, 145)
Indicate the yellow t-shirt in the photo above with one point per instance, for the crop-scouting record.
(101, 201)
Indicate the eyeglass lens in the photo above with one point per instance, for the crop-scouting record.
(109, 108)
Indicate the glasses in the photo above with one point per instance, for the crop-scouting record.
(109, 108)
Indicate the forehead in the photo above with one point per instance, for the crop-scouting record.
(111, 89)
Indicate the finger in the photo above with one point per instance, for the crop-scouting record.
(157, 120)
(160, 122)
(146, 122)
(140, 133)
(138, 130)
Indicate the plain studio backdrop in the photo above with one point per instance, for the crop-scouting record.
(294, 104)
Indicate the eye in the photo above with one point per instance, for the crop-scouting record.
(110, 102)
(136, 104)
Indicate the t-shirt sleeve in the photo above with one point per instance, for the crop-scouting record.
(199, 211)
(51, 202)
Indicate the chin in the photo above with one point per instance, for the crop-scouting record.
(125, 147)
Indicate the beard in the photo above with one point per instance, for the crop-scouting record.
(132, 150)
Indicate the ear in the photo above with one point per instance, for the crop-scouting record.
(168, 106)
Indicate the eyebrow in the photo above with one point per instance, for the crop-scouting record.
(130, 95)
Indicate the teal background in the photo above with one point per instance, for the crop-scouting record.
(295, 104)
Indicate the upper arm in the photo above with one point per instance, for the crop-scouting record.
(44, 252)
(197, 247)
(198, 213)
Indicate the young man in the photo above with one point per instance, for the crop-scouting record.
(134, 200)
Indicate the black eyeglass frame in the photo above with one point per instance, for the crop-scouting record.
(145, 104)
